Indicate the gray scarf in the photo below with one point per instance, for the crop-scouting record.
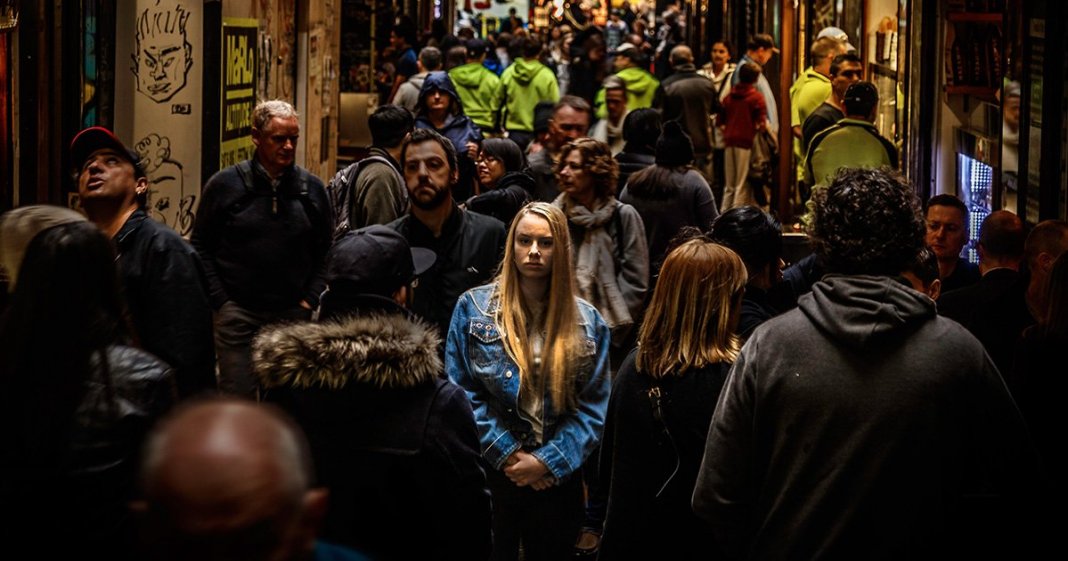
(595, 265)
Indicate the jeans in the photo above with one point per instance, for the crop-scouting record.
(235, 327)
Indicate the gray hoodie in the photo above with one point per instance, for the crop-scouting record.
(863, 426)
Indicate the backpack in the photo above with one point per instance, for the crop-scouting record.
(763, 160)
(339, 191)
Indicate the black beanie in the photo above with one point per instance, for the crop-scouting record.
(674, 147)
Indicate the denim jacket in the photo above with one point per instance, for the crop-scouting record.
(475, 359)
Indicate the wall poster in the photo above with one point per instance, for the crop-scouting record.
(240, 38)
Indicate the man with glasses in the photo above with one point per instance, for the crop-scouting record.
(846, 70)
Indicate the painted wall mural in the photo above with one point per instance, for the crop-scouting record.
(159, 101)
(162, 55)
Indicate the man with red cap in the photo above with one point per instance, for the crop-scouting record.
(162, 276)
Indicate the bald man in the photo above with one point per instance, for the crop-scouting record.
(231, 479)
(994, 309)
(1046, 242)
(690, 98)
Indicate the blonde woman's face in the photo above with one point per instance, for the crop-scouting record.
(532, 247)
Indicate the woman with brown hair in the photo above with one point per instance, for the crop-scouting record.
(533, 359)
(611, 256)
(662, 403)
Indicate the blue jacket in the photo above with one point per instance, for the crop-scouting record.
(475, 359)
(458, 128)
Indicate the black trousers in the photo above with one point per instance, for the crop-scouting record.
(546, 523)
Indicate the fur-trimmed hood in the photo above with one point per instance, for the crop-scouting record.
(384, 350)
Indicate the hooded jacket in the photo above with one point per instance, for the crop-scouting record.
(743, 110)
(641, 90)
(523, 85)
(393, 440)
(861, 425)
(458, 127)
(478, 89)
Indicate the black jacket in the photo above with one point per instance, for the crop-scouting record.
(264, 248)
(995, 311)
(504, 201)
(630, 163)
(82, 507)
(392, 439)
(650, 475)
(690, 98)
(165, 289)
(468, 253)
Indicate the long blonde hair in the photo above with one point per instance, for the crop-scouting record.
(562, 338)
(693, 315)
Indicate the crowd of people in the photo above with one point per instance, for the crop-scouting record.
(522, 328)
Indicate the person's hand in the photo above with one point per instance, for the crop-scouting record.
(472, 150)
(544, 483)
(304, 304)
(526, 470)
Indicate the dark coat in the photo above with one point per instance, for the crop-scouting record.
(504, 201)
(264, 248)
(166, 292)
(82, 507)
(392, 439)
(543, 170)
(995, 311)
(691, 99)
(649, 514)
(684, 200)
(631, 162)
(964, 274)
(468, 252)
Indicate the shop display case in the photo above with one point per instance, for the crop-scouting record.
(976, 170)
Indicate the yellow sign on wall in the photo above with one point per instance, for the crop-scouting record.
(239, 41)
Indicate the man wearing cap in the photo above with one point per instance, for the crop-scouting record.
(477, 87)
(851, 143)
(468, 245)
(263, 230)
(570, 121)
(523, 84)
(392, 439)
(760, 50)
(690, 98)
(641, 85)
(162, 276)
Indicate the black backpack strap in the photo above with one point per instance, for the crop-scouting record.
(244, 171)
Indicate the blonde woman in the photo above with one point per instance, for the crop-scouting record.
(662, 403)
(533, 359)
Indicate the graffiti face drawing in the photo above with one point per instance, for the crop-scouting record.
(162, 58)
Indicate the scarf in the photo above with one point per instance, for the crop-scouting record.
(595, 265)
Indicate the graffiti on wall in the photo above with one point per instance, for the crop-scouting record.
(167, 200)
(162, 54)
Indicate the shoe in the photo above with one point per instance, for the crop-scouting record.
(588, 543)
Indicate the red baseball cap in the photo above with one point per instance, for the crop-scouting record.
(97, 138)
